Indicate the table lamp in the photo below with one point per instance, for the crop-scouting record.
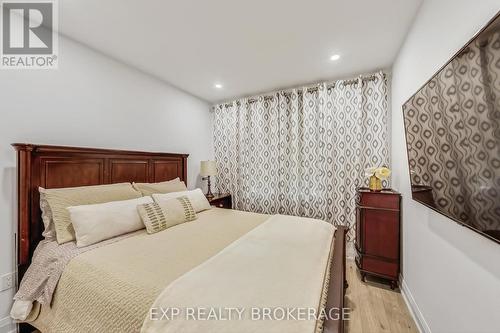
(207, 169)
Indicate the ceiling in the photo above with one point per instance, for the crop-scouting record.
(248, 46)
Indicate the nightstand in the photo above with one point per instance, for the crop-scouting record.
(377, 234)
(221, 201)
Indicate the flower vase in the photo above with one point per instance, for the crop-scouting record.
(375, 184)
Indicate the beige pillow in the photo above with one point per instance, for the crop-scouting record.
(174, 185)
(95, 223)
(196, 197)
(160, 216)
(61, 198)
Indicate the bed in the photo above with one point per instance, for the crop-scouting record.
(178, 252)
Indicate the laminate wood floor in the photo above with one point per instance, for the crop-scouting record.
(375, 308)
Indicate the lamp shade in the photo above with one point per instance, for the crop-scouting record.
(208, 168)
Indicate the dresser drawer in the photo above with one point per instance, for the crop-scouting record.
(221, 201)
(222, 204)
(379, 200)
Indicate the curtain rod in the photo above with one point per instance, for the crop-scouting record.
(314, 89)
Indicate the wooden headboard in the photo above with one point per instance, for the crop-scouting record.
(56, 167)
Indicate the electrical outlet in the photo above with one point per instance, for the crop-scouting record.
(7, 281)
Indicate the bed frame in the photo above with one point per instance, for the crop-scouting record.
(59, 166)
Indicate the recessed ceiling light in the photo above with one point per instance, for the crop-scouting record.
(218, 86)
(335, 57)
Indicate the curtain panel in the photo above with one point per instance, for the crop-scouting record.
(302, 152)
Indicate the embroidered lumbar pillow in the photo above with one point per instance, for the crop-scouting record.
(160, 216)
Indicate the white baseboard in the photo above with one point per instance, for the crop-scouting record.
(7, 325)
(413, 307)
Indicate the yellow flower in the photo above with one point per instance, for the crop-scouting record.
(382, 173)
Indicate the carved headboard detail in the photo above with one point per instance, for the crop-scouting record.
(58, 166)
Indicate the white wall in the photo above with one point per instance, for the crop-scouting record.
(452, 273)
(92, 101)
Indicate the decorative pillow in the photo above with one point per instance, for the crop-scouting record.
(95, 223)
(160, 216)
(59, 199)
(197, 198)
(174, 185)
(49, 232)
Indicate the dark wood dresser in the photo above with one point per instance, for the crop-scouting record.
(377, 234)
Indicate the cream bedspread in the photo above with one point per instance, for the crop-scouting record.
(278, 268)
(111, 288)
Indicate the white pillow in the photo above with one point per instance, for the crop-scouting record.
(196, 197)
(95, 223)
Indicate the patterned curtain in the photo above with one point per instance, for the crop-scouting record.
(302, 152)
(453, 132)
